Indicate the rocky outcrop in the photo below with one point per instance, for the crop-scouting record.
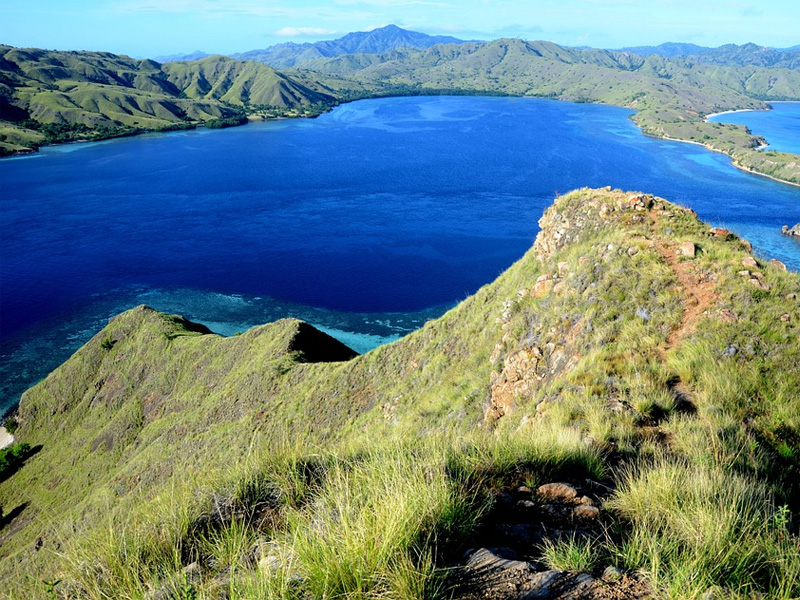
(509, 560)
(791, 231)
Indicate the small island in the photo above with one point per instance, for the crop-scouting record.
(791, 231)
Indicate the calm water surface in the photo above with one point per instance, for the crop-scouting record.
(780, 126)
(367, 221)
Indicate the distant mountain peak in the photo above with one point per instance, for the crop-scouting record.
(376, 41)
(196, 55)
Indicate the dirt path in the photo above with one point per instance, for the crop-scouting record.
(699, 293)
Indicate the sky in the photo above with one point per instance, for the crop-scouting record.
(151, 28)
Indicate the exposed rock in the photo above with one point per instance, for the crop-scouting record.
(576, 587)
(791, 231)
(777, 264)
(726, 316)
(486, 560)
(542, 287)
(583, 511)
(719, 232)
(639, 202)
(749, 261)
(759, 284)
(541, 584)
(786, 317)
(612, 574)
(557, 491)
(518, 380)
(687, 249)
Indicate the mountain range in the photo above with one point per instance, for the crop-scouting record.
(392, 37)
(379, 40)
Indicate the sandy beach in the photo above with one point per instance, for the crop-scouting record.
(730, 112)
(6, 439)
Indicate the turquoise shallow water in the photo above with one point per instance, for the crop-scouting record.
(779, 126)
(367, 221)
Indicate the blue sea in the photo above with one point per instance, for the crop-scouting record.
(367, 221)
(780, 126)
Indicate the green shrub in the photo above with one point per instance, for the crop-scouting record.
(11, 458)
(11, 425)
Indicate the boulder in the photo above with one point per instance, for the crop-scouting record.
(687, 249)
(562, 492)
(639, 202)
(778, 264)
(749, 261)
(542, 287)
(584, 511)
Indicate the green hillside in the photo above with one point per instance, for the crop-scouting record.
(52, 96)
(633, 353)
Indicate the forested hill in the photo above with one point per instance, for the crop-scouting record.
(52, 96)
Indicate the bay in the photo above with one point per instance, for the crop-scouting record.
(779, 126)
(366, 221)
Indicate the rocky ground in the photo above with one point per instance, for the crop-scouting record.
(507, 561)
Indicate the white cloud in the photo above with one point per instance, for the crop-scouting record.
(303, 31)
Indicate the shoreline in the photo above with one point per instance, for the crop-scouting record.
(6, 439)
(731, 112)
(733, 160)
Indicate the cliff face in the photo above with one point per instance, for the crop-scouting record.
(629, 322)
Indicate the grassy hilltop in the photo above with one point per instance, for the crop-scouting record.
(634, 354)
